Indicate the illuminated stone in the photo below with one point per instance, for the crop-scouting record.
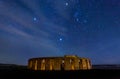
(68, 62)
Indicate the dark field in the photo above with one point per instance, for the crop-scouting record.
(21, 72)
(81, 74)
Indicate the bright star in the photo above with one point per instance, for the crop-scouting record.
(66, 4)
(60, 39)
(34, 18)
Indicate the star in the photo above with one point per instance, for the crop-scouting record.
(77, 19)
(35, 19)
(60, 39)
(66, 4)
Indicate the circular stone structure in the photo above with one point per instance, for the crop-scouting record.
(68, 62)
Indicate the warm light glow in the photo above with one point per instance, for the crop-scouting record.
(60, 63)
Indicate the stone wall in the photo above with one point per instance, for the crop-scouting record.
(59, 63)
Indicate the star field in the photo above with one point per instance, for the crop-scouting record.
(34, 28)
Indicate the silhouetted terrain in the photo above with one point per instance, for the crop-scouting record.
(113, 66)
(21, 72)
(12, 67)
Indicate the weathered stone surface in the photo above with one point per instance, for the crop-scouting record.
(59, 63)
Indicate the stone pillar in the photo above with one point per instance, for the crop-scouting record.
(30, 64)
(57, 63)
(43, 64)
(51, 64)
(36, 65)
(80, 64)
(39, 64)
(76, 63)
(33, 65)
(69, 63)
(89, 64)
(84, 64)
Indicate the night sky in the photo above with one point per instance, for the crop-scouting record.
(35, 28)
